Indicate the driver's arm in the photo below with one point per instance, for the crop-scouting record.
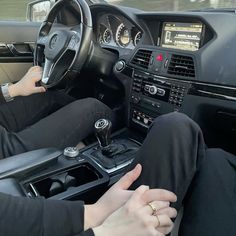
(24, 87)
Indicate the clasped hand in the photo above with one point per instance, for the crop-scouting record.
(27, 85)
(142, 212)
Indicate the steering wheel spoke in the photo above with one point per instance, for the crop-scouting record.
(42, 40)
(74, 41)
(47, 71)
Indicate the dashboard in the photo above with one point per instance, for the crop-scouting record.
(117, 31)
(174, 61)
(157, 40)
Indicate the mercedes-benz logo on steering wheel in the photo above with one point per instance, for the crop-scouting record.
(53, 41)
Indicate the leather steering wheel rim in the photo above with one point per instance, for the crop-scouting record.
(65, 51)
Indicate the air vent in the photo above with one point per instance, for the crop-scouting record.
(182, 66)
(142, 58)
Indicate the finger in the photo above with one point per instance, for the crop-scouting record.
(140, 190)
(158, 233)
(149, 221)
(169, 211)
(126, 181)
(164, 221)
(134, 202)
(39, 90)
(165, 230)
(35, 68)
(37, 76)
(159, 195)
(156, 206)
(157, 222)
(154, 232)
(154, 220)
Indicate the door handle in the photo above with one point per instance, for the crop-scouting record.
(20, 49)
(5, 51)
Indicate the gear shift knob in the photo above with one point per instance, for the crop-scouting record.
(103, 132)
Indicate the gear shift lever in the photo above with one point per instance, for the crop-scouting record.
(103, 132)
(111, 153)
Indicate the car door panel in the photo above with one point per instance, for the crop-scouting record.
(16, 49)
(12, 72)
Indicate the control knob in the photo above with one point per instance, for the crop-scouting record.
(120, 65)
(153, 90)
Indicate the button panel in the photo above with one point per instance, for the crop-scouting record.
(137, 83)
(142, 119)
(177, 94)
(146, 85)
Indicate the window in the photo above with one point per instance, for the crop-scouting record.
(16, 10)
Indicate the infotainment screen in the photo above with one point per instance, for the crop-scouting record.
(184, 36)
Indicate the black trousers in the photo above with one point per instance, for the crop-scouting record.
(52, 119)
(175, 157)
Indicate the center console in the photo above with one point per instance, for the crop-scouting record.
(154, 95)
(73, 174)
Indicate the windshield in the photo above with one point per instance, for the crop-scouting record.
(173, 5)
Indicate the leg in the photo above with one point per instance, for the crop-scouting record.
(170, 154)
(66, 127)
(24, 111)
(210, 207)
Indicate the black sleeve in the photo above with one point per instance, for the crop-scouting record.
(39, 217)
(2, 99)
(88, 232)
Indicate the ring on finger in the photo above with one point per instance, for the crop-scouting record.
(154, 209)
(158, 220)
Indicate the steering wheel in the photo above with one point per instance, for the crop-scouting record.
(64, 51)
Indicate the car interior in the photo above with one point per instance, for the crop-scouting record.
(141, 64)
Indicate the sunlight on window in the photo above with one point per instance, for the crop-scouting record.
(174, 5)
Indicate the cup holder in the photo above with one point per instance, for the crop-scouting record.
(70, 178)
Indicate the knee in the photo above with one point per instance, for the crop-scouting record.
(173, 118)
(218, 167)
(174, 121)
(217, 158)
(93, 102)
(99, 109)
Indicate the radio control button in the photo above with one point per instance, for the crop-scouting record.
(146, 88)
(153, 90)
(146, 121)
(135, 100)
(161, 92)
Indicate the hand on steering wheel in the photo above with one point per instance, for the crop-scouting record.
(27, 85)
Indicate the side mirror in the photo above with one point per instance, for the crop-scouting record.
(38, 10)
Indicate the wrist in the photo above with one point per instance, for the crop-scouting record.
(100, 231)
(13, 90)
(91, 216)
(7, 92)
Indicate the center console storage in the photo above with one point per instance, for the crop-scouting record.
(85, 175)
(69, 179)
